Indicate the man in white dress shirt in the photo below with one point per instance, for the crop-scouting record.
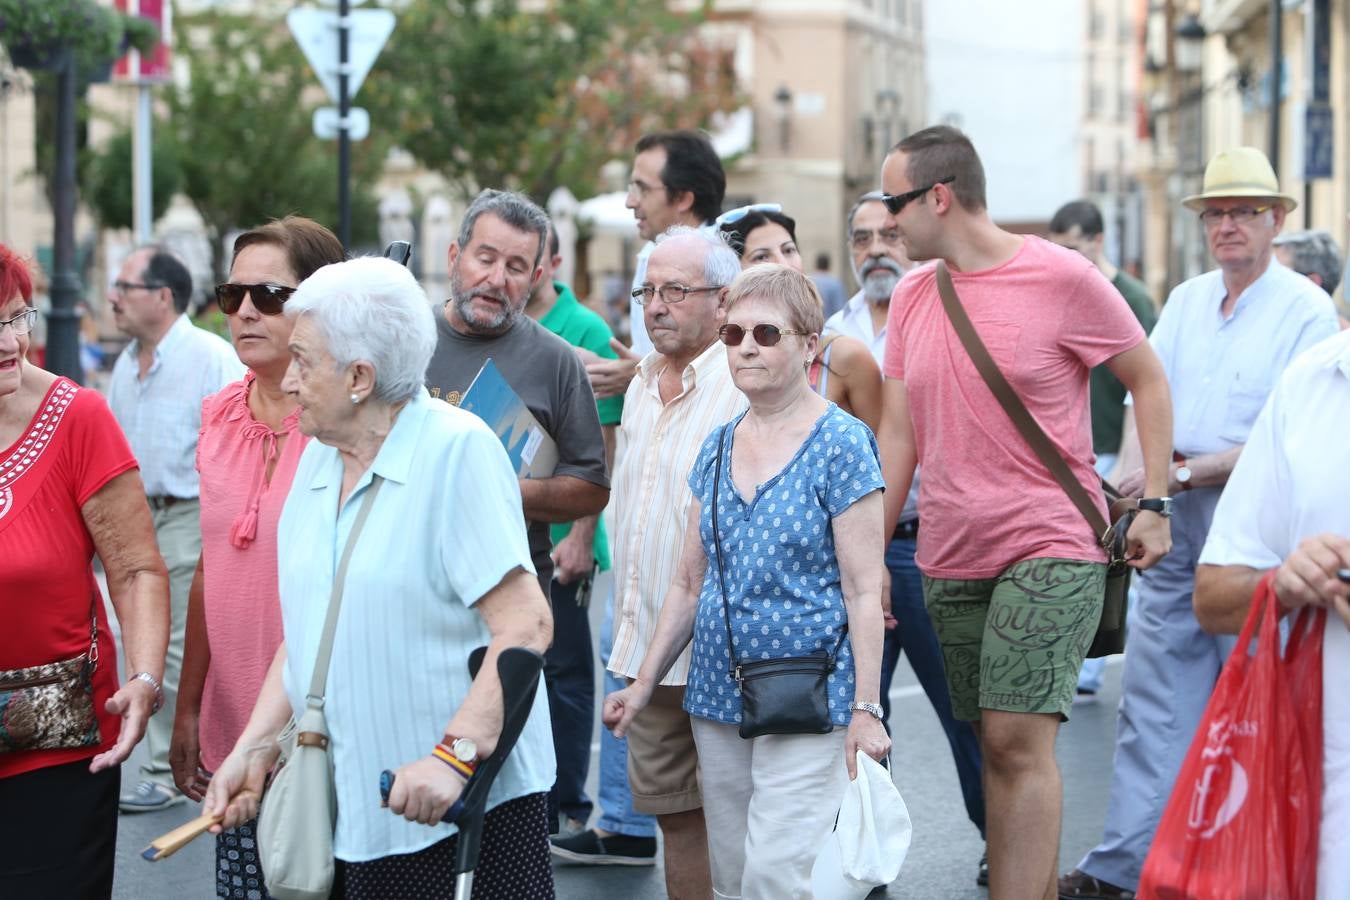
(878, 262)
(1224, 338)
(1287, 507)
(156, 392)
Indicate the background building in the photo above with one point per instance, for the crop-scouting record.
(1209, 70)
(1112, 31)
(833, 85)
(1012, 79)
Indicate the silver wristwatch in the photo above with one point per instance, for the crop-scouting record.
(873, 708)
(159, 691)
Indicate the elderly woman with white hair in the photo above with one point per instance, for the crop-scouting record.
(440, 566)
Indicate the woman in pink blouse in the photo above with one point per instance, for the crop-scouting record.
(246, 454)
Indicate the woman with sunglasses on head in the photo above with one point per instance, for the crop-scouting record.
(783, 558)
(247, 453)
(843, 369)
(69, 488)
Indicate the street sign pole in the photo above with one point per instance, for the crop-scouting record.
(63, 322)
(354, 39)
(344, 133)
(142, 179)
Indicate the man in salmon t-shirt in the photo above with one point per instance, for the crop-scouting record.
(1013, 575)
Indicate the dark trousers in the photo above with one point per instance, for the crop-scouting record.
(569, 678)
(914, 637)
(60, 833)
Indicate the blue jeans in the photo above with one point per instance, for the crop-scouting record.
(915, 637)
(569, 679)
(616, 800)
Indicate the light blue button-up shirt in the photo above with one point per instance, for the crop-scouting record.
(1221, 370)
(162, 412)
(443, 531)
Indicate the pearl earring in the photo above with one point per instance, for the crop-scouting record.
(355, 399)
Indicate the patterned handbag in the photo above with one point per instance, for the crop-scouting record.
(51, 706)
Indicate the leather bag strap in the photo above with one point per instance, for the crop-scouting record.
(319, 681)
(1012, 404)
(717, 549)
(721, 570)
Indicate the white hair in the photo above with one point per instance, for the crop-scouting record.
(372, 309)
(721, 265)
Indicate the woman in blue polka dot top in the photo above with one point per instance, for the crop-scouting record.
(799, 515)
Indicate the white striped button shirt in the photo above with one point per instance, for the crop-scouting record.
(162, 413)
(657, 445)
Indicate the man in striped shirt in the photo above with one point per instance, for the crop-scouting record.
(682, 390)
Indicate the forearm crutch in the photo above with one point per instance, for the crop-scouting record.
(518, 669)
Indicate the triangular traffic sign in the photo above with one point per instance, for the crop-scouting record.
(316, 31)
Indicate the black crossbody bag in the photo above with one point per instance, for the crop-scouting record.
(778, 696)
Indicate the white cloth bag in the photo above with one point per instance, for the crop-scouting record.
(870, 838)
(299, 810)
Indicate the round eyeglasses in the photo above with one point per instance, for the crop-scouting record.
(765, 335)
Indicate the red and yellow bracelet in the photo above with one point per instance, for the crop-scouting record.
(444, 754)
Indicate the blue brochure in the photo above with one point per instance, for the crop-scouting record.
(532, 451)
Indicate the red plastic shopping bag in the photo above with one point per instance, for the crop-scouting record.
(1241, 823)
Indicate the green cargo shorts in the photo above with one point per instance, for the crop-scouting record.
(1016, 642)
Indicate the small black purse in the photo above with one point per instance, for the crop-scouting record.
(778, 696)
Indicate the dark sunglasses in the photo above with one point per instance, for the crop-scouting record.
(267, 298)
(764, 335)
(896, 202)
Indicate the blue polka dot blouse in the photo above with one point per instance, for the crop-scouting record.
(782, 575)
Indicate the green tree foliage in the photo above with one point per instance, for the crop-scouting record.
(492, 95)
(108, 178)
(243, 129)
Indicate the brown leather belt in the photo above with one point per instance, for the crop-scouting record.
(906, 531)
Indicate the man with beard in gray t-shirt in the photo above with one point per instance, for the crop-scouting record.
(494, 264)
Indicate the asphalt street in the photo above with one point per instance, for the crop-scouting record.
(942, 858)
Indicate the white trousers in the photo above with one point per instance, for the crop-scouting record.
(768, 803)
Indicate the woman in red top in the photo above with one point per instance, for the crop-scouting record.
(247, 452)
(69, 487)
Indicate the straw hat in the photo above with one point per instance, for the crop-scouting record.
(1240, 172)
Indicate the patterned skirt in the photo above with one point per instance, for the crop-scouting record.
(513, 863)
(238, 869)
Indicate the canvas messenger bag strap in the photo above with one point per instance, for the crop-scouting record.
(318, 683)
(1012, 404)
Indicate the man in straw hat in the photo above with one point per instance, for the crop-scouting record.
(1224, 337)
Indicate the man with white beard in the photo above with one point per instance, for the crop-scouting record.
(879, 260)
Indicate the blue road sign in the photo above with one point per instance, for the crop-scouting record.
(1318, 130)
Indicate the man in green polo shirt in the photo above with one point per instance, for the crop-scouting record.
(580, 550)
(1078, 226)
